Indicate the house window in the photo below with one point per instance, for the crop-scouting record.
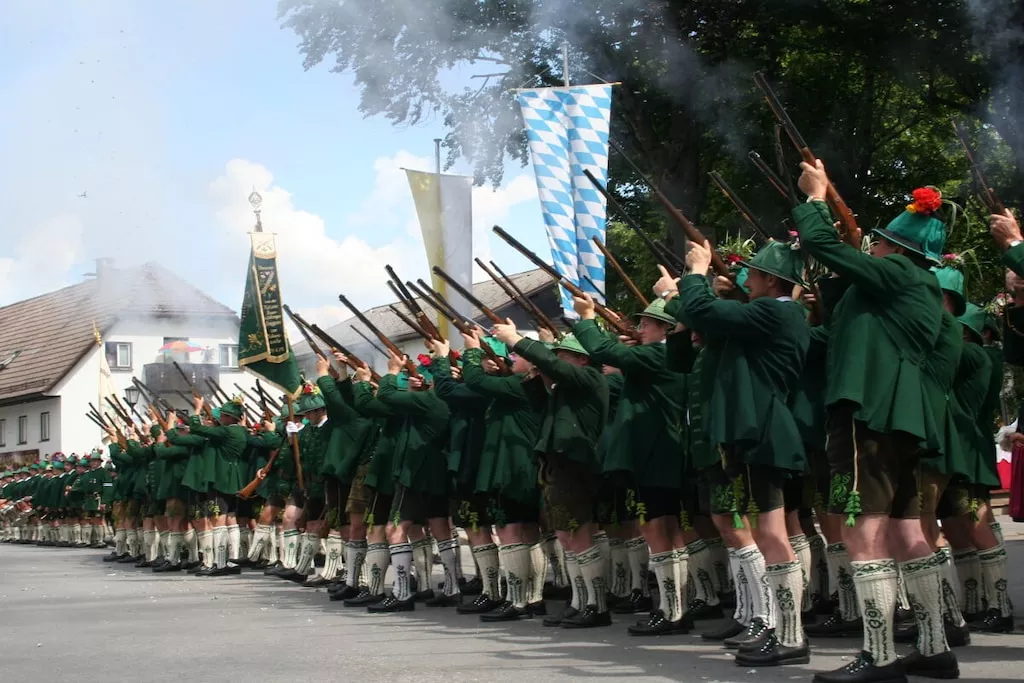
(119, 355)
(3, 433)
(229, 355)
(176, 348)
(44, 426)
(23, 430)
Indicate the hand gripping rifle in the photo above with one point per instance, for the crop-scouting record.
(985, 192)
(620, 326)
(351, 359)
(388, 344)
(848, 228)
(517, 296)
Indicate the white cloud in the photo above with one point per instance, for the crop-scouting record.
(42, 257)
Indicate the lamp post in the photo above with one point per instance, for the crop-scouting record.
(131, 396)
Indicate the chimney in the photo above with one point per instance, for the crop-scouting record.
(103, 267)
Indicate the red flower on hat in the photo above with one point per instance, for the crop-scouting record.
(733, 259)
(423, 359)
(927, 200)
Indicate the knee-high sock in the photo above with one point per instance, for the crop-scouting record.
(333, 555)
(120, 542)
(876, 591)
(192, 543)
(272, 549)
(560, 576)
(259, 539)
(639, 559)
(220, 546)
(458, 555)
(76, 533)
(401, 560)
(378, 557)
(701, 572)
(423, 557)
(603, 542)
(175, 539)
(576, 580)
(619, 577)
(948, 584)
(786, 581)
(448, 549)
(739, 579)
(206, 548)
(924, 589)
(592, 568)
(841, 580)
(968, 570)
(802, 549)
(997, 529)
(307, 551)
(819, 569)
(149, 539)
(487, 563)
(355, 555)
(538, 573)
(681, 567)
(291, 540)
(245, 541)
(994, 575)
(516, 560)
(752, 561)
(234, 542)
(664, 567)
(723, 576)
(901, 589)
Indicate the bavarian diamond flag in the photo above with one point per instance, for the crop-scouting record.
(567, 129)
(263, 346)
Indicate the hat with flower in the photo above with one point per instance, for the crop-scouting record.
(918, 228)
(310, 399)
(234, 407)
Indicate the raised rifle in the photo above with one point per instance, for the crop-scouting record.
(410, 366)
(593, 286)
(250, 489)
(630, 285)
(413, 325)
(468, 296)
(783, 167)
(613, 320)
(352, 360)
(985, 192)
(376, 347)
(195, 392)
(747, 214)
(848, 228)
(513, 293)
(266, 397)
(294, 440)
(406, 298)
(660, 252)
(691, 231)
(778, 183)
(153, 399)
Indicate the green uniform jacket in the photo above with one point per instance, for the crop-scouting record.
(420, 462)
(972, 388)
(514, 410)
(313, 442)
(70, 499)
(278, 483)
(940, 369)
(684, 357)
(465, 428)
(201, 467)
(91, 486)
(125, 472)
(140, 456)
(808, 401)
(645, 437)
(883, 328)
(577, 408)
(380, 475)
(227, 443)
(349, 429)
(174, 458)
(755, 356)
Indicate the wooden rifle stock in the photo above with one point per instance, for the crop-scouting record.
(413, 325)
(250, 489)
(294, 440)
(691, 231)
(405, 297)
(617, 323)
(513, 293)
(778, 183)
(353, 361)
(468, 296)
(848, 228)
(658, 250)
(617, 267)
(388, 344)
(985, 192)
(439, 304)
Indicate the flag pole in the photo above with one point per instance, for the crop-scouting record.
(565, 62)
(437, 156)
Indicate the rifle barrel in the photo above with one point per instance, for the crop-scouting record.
(734, 198)
(439, 304)
(985, 192)
(513, 293)
(404, 296)
(617, 267)
(468, 296)
(773, 178)
(388, 344)
(413, 325)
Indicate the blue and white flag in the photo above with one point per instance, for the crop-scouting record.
(567, 129)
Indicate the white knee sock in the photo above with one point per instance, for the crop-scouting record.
(876, 591)
(333, 555)
(355, 556)
(702, 572)
(619, 577)
(560, 576)
(175, 539)
(486, 558)
(819, 588)
(752, 561)
(576, 580)
(743, 605)
(448, 549)
(307, 551)
(841, 580)
(234, 542)
(681, 567)
(149, 539)
(538, 574)
(924, 588)
(639, 560)
(592, 567)
(401, 560)
(378, 557)
(516, 560)
(723, 576)
(291, 541)
(259, 538)
(802, 549)
(994, 575)
(206, 548)
(220, 546)
(192, 543)
(787, 586)
(664, 567)
(968, 570)
(423, 558)
(120, 542)
(949, 584)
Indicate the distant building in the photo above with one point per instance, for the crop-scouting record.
(50, 359)
(535, 284)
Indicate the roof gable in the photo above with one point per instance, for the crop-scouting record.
(54, 331)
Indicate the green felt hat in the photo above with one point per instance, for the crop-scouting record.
(232, 408)
(918, 231)
(96, 454)
(741, 279)
(34, 466)
(952, 280)
(656, 311)
(58, 464)
(425, 373)
(780, 259)
(570, 343)
(973, 318)
(308, 403)
(154, 431)
(499, 347)
(216, 413)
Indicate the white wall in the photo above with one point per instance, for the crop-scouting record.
(32, 411)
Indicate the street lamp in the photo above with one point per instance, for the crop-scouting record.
(131, 396)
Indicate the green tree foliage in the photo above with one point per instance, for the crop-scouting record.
(872, 86)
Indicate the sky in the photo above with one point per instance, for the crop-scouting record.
(166, 115)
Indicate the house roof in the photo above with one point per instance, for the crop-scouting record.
(490, 293)
(52, 332)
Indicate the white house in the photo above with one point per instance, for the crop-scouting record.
(50, 358)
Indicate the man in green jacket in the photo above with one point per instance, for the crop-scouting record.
(880, 416)
(567, 447)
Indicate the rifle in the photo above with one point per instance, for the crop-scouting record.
(613, 320)
(660, 251)
(468, 296)
(250, 489)
(153, 399)
(301, 324)
(691, 231)
(118, 411)
(353, 361)
(405, 297)
(388, 344)
(783, 167)
(107, 423)
(369, 341)
(267, 398)
(222, 395)
(848, 228)
(517, 296)
(593, 285)
(411, 323)
(719, 181)
(985, 192)
(630, 285)
(778, 183)
(195, 392)
(258, 400)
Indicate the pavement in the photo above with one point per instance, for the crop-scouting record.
(67, 616)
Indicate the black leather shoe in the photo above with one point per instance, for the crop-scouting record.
(731, 629)
(994, 622)
(905, 632)
(657, 625)
(863, 670)
(346, 593)
(973, 617)
(553, 592)
(423, 595)
(588, 618)
(197, 568)
(727, 600)
(293, 576)
(128, 559)
(699, 610)
(474, 586)
(757, 631)
(442, 600)
(167, 567)
(204, 571)
(537, 609)
(226, 570)
(636, 603)
(392, 604)
(557, 619)
(159, 562)
(145, 564)
(261, 564)
(774, 653)
(942, 665)
(273, 569)
(835, 627)
(481, 605)
(364, 599)
(507, 612)
(957, 636)
(113, 557)
(191, 565)
(316, 582)
(97, 546)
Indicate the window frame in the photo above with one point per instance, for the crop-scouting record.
(3, 432)
(22, 433)
(44, 421)
(118, 347)
(225, 348)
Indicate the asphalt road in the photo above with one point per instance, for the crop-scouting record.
(66, 616)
